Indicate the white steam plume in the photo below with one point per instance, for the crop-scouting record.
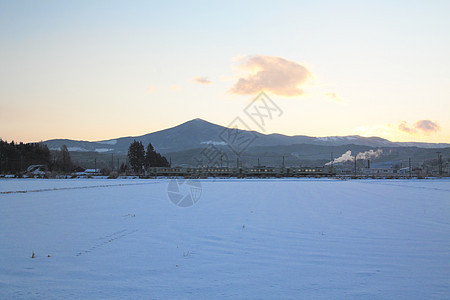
(344, 157)
(369, 154)
(347, 156)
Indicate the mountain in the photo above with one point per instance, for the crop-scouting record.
(199, 133)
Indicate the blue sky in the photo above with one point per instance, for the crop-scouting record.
(102, 69)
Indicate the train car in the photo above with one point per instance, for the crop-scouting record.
(261, 171)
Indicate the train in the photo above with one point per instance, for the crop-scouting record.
(241, 172)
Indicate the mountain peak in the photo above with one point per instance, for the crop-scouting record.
(196, 122)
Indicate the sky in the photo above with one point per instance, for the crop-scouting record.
(97, 70)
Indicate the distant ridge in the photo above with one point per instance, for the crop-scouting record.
(197, 133)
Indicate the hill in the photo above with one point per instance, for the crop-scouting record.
(199, 133)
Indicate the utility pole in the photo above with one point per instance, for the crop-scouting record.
(332, 160)
(439, 163)
(237, 162)
(283, 161)
(95, 165)
(258, 163)
(409, 165)
(221, 155)
(355, 165)
(112, 162)
(170, 162)
(118, 168)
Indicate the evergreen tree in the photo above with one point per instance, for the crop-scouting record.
(150, 156)
(154, 159)
(162, 161)
(136, 156)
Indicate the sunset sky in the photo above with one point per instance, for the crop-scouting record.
(97, 70)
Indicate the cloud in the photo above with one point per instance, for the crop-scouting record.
(425, 126)
(403, 126)
(151, 89)
(174, 87)
(202, 80)
(333, 96)
(270, 73)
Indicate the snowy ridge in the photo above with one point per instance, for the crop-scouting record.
(197, 133)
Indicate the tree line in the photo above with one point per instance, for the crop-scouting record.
(17, 157)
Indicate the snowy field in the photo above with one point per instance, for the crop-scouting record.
(288, 239)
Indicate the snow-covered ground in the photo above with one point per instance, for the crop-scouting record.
(301, 238)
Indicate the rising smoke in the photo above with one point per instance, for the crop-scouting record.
(347, 156)
(369, 154)
(344, 157)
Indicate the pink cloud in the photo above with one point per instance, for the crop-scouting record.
(273, 74)
(202, 80)
(426, 126)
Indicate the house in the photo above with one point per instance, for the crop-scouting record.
(92, 171)
(36, 170)
(89, 172)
